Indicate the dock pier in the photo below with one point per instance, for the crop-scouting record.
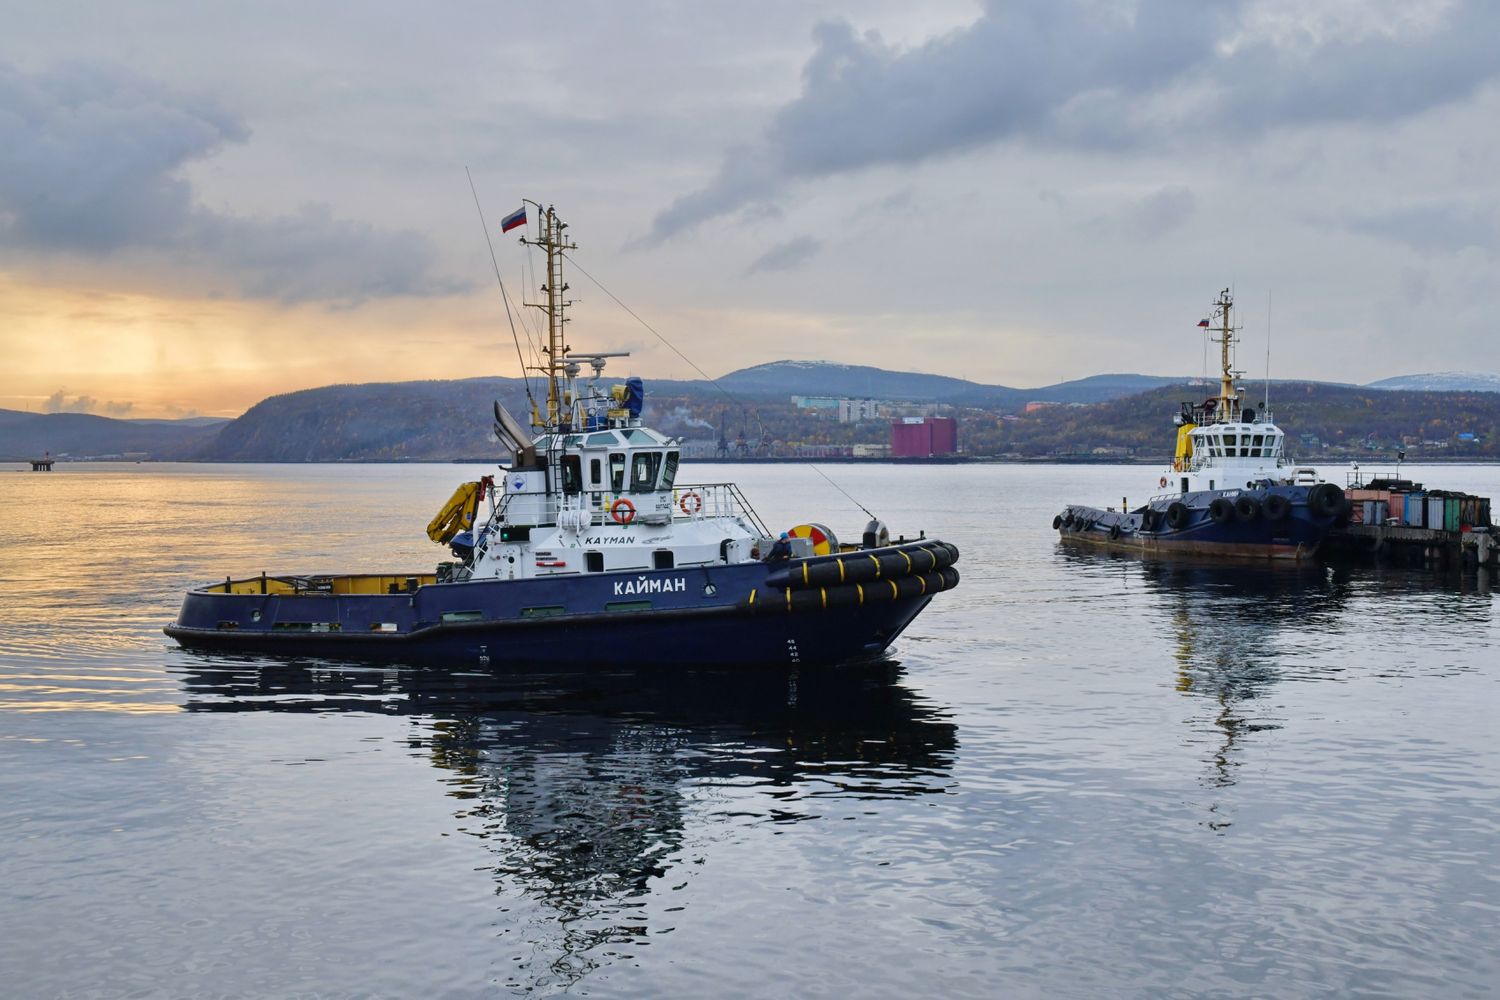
(1414, 546)
(43, 464)
(1396, 520)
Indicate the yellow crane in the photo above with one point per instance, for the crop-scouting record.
(459, 512)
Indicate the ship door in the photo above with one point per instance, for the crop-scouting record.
(596, 481)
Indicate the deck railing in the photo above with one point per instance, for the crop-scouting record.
(691, 502)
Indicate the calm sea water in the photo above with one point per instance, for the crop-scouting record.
(1077, 776)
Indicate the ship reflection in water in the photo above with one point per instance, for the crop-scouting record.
(1238, 632)
(589, 788)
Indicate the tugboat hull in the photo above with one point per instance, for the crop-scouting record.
(1240, 524)
(731, 614)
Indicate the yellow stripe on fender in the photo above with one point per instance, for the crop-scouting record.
(907, 558)
(923, 581)
(752, 595)
(841, 570)
(877, 566)
(824, 592)
(805, 580)
(895, 593)
(859, 588)
(789, 598)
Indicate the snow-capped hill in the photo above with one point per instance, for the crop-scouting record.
(1442, 382)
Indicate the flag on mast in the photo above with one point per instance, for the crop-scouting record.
(517, 219)
(1201, 322)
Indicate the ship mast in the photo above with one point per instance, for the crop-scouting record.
(550, 238)
(1229, 398)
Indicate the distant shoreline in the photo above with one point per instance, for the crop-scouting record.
(1373, 462)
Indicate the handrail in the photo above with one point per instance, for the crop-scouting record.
(713, 500)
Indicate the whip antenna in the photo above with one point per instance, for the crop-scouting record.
(498, 280)
(1267, 405)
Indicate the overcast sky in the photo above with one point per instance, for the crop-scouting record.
(204, 204)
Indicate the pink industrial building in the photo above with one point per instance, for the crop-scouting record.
(924, 438)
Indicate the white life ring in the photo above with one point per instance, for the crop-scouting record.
(1163, 483)
(697, 503)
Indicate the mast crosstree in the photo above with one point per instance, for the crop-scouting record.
(1224, 336)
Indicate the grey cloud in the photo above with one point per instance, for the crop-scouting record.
(786, 256)
(1433, 228)
(746, 176)
(88, 158)
(1160, 212)
(91, 162)
(1081, 75)
(313, 256)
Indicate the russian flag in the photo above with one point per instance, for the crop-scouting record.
(1201, 322)
(517, 219)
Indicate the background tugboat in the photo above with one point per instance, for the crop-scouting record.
(590, 553)
(1230, 490)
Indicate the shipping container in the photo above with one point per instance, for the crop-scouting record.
(1415, 504)
(1382, 511)
(1451, 507)
(1435, 515)
(1366, 511)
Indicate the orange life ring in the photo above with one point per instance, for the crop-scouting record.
(622, 511)
(697, 503)
(1163, 483)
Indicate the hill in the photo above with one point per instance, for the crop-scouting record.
(27, 435)
(1320, 420)
(436, 420)
(828, 378)
(1442, 382)
(446, 420)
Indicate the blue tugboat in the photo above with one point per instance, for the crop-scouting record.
(587, 551)
(1231, 491)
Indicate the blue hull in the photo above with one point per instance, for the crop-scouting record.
(727, 615)
(1293, 526)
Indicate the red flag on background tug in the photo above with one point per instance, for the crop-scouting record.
(517, 219)
(1201, 322)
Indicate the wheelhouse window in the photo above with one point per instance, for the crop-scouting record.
(643, 471)
(572, 474)
(596, 474)
(616, 472)
(669, 471)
